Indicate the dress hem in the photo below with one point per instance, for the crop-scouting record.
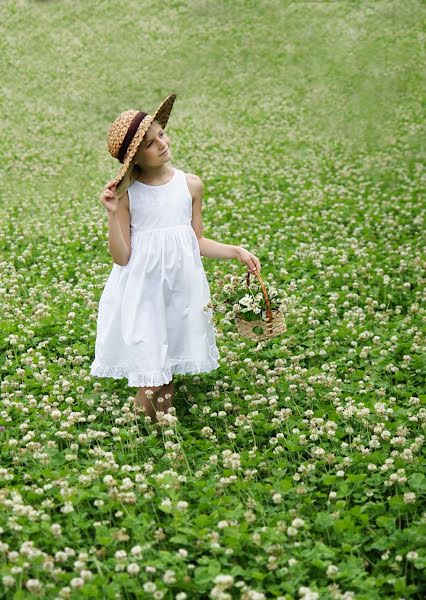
(155, 378)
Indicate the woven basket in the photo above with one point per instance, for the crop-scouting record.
(271, 328)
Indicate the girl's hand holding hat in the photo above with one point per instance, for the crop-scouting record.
(249, 259)
(109, 198)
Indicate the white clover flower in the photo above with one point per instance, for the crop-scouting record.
(8, 581)
(149, 587)
(67, 508)
(56, 529)
(307, 594)
(332, 570)
(169, 577)
(33, 585)
(133, 569)
(166, 503)
(409, 497)
(297, 522)
(223, 580)
(245, 300)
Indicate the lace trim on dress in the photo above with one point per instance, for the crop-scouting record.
(157, 378)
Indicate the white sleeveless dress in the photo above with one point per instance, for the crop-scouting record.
(153, 319)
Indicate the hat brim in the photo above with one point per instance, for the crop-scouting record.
(161, 115)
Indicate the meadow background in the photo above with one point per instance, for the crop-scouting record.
(296, 470)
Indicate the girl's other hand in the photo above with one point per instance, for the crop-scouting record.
(109, 198)
(249, 259)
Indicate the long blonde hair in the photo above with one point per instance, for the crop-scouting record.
(133, 172)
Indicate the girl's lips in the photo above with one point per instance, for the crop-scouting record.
(164, 152)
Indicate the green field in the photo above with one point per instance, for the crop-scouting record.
(295, 471)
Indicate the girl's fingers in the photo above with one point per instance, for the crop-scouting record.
(254, 264)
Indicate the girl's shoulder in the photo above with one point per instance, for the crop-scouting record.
(195, 184)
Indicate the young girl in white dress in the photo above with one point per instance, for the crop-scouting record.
(155, 315)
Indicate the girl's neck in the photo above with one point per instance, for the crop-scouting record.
(155, 175)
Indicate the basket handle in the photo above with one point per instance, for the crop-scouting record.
(265, 294)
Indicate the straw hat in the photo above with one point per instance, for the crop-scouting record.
(128, 130)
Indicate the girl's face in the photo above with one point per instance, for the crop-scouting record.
(154, 149)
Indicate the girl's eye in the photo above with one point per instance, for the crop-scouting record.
(162, 133)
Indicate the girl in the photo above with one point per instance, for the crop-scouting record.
(154, 316)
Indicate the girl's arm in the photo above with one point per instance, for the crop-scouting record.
(210, 248)
(119, 232)
(213, 249)
(118, 223)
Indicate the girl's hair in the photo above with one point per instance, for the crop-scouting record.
(132, 173)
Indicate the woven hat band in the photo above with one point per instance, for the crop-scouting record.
(133, 127)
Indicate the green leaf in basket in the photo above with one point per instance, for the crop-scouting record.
(248, 316)
(258, 329)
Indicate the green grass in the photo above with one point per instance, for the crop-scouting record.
(301, 459)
